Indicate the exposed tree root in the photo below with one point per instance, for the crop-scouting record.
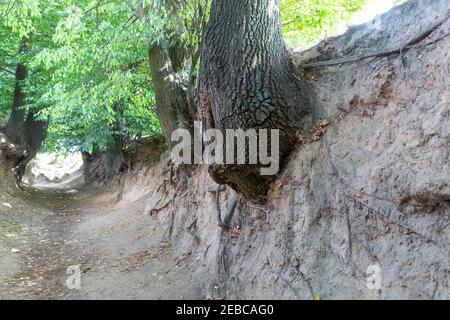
(341, 181)
(285, 280)
(156, 210)
(12, 153)
(267, 212)
(412, 44)
(174, 177)
(225, 223)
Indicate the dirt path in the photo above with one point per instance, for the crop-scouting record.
(45, 245)
(110, 244)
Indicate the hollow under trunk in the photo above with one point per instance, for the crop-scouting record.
(248, 81)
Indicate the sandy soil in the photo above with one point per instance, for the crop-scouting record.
(87, 229)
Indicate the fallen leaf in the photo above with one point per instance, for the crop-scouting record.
(279, 183)
(165, 245)
(300, 138)
(319, 129)
(234, 232)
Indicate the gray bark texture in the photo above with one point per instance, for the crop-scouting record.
(248, 81)
(170, 93)
(166, 57)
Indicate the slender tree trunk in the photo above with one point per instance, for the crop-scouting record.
(166, 58)
(248, 81)
(14, 128)
(171, 96)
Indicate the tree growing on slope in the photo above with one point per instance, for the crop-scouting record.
(174, 31)
(20, 20)
(248, 81)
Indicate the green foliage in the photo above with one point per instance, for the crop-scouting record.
(20, 16)
(6, 89)
(307, 21)
(30, 21)
(88, 67)
(15, 20)
(99, 88)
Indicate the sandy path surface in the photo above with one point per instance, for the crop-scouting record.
(110, 244)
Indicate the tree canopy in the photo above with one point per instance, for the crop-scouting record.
(88, 64)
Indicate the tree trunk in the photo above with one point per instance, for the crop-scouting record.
(22, 128)
(34, 134)
(14, 128)
(10, 154)
(166, 57)
(248, 81)
(170, 94)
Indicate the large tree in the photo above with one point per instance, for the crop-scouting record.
(22, 27)
(23, 129)
(248, 80)
(14, 128)
(174, 37)
(166, 59)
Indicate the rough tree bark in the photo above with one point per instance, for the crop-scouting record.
(170, 93)
(166, 58)
(248, 81)
(14, 128)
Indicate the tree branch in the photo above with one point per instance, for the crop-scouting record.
(7, 71)
(225, 223)
(94, 7)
